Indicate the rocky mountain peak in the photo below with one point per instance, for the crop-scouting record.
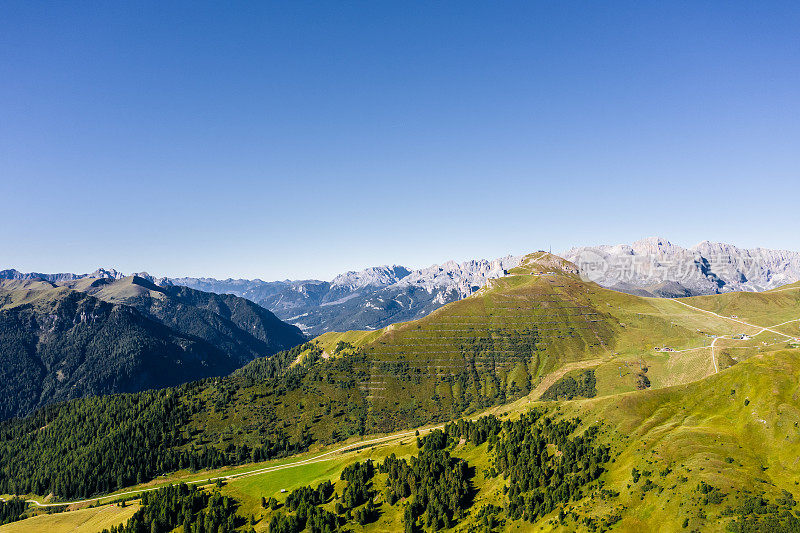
(379, 276)
(103, 274)
(655, 246)
(706, 268)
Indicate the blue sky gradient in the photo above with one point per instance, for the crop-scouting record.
(300, 139)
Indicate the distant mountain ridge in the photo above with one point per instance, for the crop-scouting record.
(656, 267)
(379, 296)
(367, 299)
(100, 273)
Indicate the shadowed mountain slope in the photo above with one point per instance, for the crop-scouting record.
(59, 343)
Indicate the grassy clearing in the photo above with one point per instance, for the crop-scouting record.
(249, 490)
(735, 430)
(90, 520)
(758, 308)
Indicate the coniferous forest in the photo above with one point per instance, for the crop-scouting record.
(96, 445)
(435, 488)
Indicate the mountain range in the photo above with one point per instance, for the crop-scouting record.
(376, 297)
(79, 336)
(656, 267)
(368, 299)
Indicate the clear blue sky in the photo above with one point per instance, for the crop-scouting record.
(300, 139)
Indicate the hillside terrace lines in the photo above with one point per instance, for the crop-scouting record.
(449, 344)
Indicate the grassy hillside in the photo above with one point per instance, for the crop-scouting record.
(736, 431)
(543, 317)
(699, 454)
(765, 309)
(87, 520)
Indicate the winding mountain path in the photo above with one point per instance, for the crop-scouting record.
(761, 329)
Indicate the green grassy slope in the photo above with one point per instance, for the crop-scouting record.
(736, 430)
(762, 308)
(88, 520)
(560, 320)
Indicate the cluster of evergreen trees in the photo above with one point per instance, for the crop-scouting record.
(309, 496)
(266, 368)
(437, 484)
(545, 465)
(91, 446)
(359, 488)
(568, 387)
(100, 444)
(304, 503)
(182, 505)
(12, 510)
(488, 519)
(756, 514)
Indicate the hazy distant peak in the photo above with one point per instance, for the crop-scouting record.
(100, 273)
(379, 276)
(105, 273)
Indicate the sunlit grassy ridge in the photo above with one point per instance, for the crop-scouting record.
(564, 321)
(559, 319)
(762, 308)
